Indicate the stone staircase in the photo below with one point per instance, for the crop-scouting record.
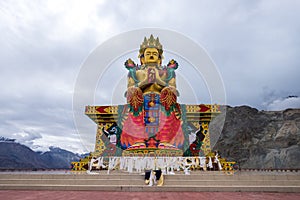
(121, 181)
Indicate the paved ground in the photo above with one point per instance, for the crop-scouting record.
(76, 195)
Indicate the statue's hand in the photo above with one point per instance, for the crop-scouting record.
(147, 77)
(159, 80)
(143, 77)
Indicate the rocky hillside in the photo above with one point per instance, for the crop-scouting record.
(59, 158)
(260, 139)
(16, 156)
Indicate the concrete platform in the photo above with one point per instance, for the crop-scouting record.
(198, 181)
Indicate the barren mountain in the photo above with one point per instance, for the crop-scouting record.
(260, 139)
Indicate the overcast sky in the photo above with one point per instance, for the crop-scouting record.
(254, 44)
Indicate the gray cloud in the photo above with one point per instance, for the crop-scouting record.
(284, 103)
(255, 45)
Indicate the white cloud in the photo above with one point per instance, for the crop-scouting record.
(28, 135)
(284, 103)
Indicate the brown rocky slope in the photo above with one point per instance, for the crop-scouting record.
(259, 139)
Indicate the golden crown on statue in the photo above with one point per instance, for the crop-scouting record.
(150, 43)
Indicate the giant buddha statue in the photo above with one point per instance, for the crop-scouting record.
(153, 119)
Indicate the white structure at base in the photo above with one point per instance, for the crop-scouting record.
(167, 164)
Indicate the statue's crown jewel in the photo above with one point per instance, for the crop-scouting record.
(151, 43)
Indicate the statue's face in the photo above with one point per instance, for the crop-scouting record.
(151, 55)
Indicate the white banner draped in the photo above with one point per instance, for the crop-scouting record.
(167, 164)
